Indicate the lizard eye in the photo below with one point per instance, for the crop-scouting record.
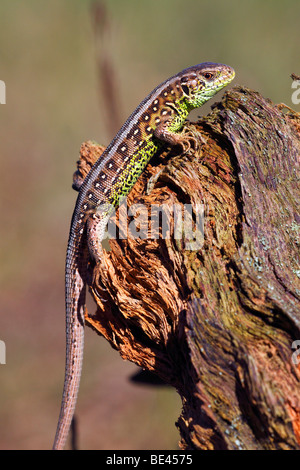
(208, 75)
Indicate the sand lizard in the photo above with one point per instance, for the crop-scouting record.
(157, 120)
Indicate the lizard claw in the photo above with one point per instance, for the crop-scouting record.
(191, 140)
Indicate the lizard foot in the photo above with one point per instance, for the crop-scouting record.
(191, 140)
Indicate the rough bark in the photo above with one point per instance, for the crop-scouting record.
(217, 322)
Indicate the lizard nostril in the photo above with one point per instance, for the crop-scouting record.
(185, 89)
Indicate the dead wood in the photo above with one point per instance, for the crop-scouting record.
(217, 322)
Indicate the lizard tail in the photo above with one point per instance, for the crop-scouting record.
(75, 307)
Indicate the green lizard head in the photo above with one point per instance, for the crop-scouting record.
(201, 82)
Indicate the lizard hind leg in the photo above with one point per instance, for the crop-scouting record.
(96, 226)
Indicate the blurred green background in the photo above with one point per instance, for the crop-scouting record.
(49, 56)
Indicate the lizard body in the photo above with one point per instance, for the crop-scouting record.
(157, 120)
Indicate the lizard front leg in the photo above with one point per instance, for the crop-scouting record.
(186, 138)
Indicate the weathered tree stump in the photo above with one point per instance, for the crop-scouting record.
(219, 322)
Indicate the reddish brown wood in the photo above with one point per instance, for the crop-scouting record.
(218, 323)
